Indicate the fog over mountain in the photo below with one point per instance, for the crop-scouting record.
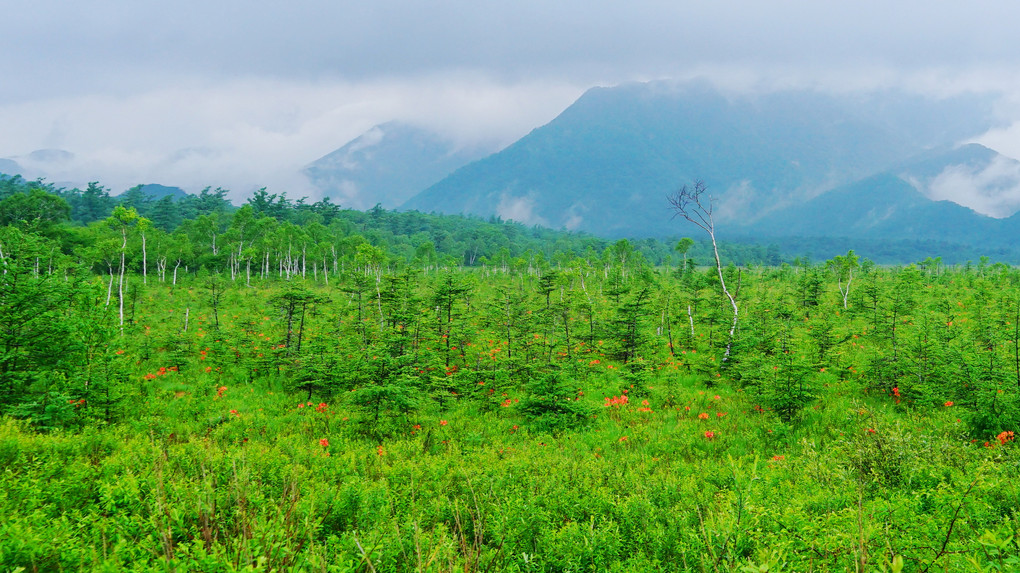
(388, 165)
(242, 95)
(607, 162)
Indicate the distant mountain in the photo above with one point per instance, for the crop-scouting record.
(606, 163)
(971, 175)
(387, 165)
(884, 207)
(9, 167)
(156, 191)
(53, 156)
(904, 203)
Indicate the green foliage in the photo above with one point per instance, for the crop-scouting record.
(554, 404)
(537, 413)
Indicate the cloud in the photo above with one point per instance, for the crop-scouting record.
(519, 209)
(992, 189)
(245, 134)
(243, 93)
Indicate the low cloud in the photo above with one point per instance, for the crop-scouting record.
(992, 189)
(520, 210)
(242, 135)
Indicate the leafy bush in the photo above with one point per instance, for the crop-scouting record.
(552, 404)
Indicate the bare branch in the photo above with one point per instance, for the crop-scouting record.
(694, 204)
(687, 202)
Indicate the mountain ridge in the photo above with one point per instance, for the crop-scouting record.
(606, 163)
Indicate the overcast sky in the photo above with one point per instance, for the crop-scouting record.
(242, 94)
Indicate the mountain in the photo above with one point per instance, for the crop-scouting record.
(155, 191)
(606, 164)
(904, 204)
(9, 167)
(884, 207)
(971, 175)
(388, 164)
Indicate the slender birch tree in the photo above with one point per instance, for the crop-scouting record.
(694, 204)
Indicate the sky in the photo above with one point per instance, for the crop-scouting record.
(243, 94)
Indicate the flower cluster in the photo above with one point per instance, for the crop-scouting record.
(163, 370)
(617, 401)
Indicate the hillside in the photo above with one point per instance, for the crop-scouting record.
(606, 163)
(387, 165)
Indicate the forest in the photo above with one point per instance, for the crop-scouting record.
(190, 386)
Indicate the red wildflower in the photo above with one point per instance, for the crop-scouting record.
(948, 403)
(1005, 437)
(710, 434)
(324, 443)
(703, 416)
(617, 401)
(443, 422)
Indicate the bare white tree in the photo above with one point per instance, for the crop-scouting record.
(694, 204)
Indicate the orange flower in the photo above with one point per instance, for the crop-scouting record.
(443, 422)
(948, 403)
(703, 416)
